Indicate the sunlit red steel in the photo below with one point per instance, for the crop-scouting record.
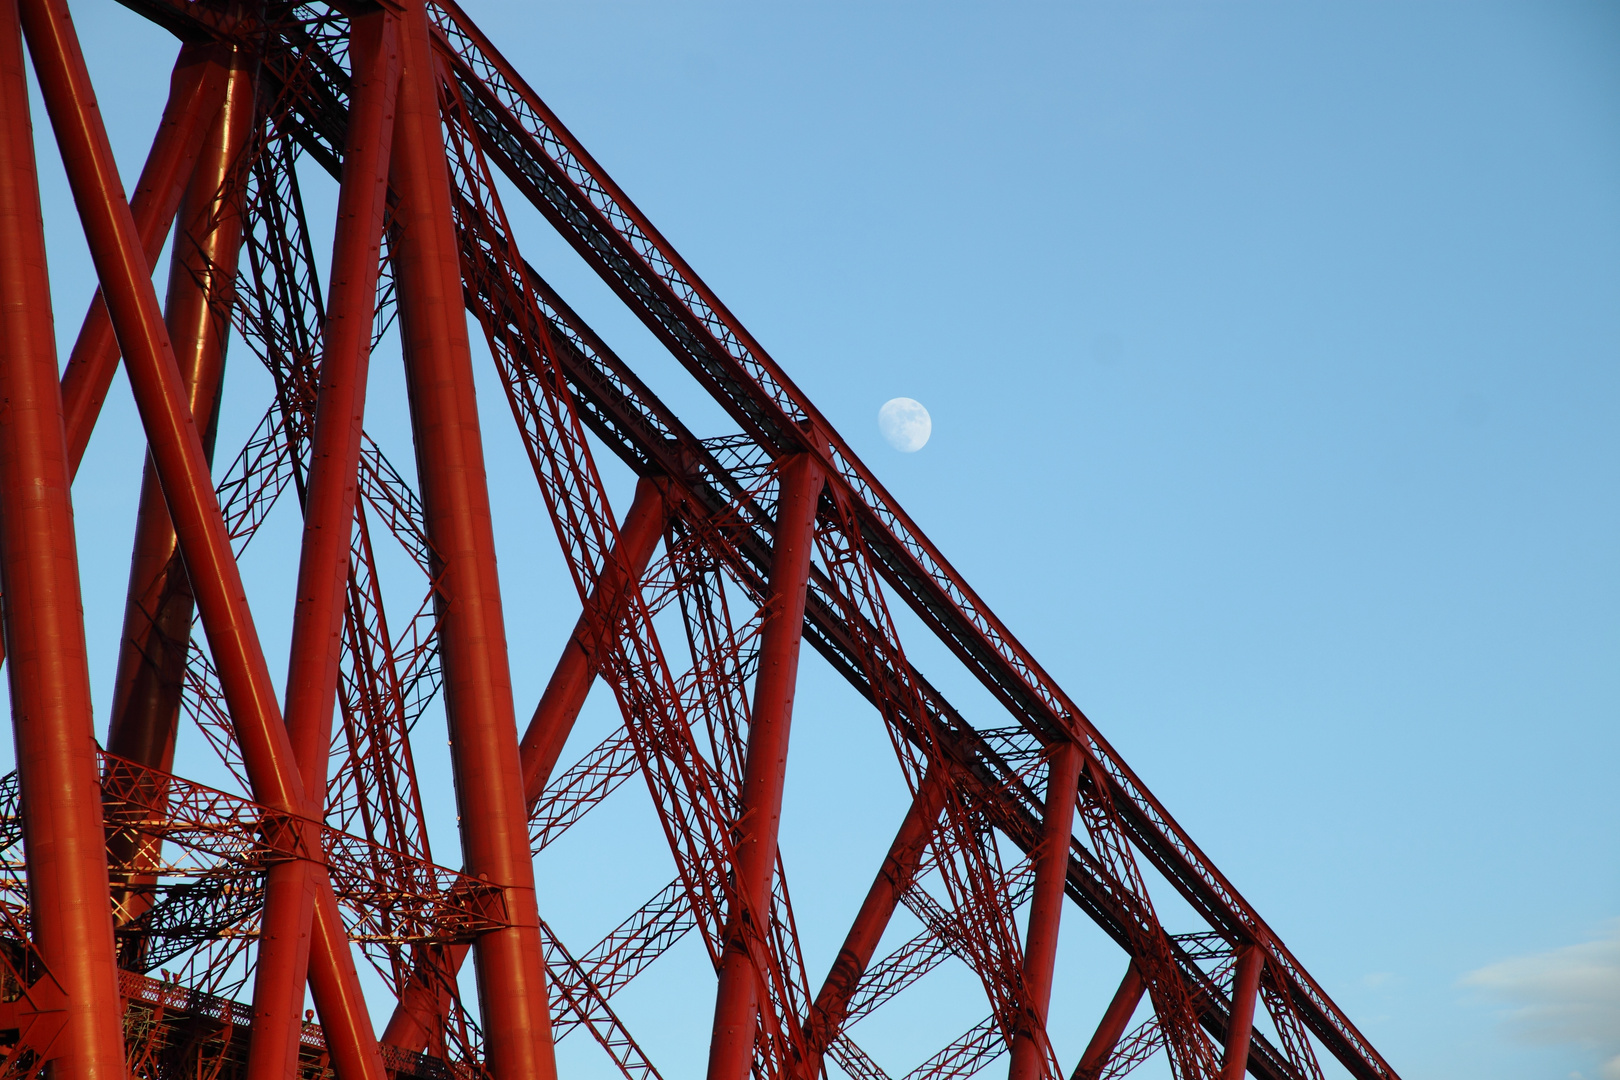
(158, 608)
(894, 879)
(68, 891)
(731, 1052)
(774, 537)
(450, 462)
(1030, 1047)
(203, 75)
(1106, 1038)
(1240, 1030)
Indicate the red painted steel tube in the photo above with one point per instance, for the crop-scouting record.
(570, 682)
(416, 1023)
(176, 449)
(1240, 1029)
(893, 879)
(423, 1005)
(281, 968)
(44, 628)
(1112, 1025)
(174, 439)
(1046, 907)
(472, 630)
(736, 1007)
(158, 609)
(175, 445)
(196, 89)
(340, 401)
(312, 670)
(340, 1002)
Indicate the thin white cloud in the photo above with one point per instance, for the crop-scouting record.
(1568, 996)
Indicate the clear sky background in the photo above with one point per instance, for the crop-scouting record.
(1271, 351)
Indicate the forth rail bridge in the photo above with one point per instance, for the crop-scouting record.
(157, 928)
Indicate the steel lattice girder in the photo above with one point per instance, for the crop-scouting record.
(325, 77)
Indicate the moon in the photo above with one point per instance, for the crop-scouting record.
(905, 424)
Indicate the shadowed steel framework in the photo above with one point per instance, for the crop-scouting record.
(155, 927)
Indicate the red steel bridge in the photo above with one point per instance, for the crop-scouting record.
(155, 927)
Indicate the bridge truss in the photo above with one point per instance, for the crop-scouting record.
(755, 542)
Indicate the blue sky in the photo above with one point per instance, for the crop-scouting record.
(1271, 353)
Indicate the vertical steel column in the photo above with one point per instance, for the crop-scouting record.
(1046, 908)
(1245, 989)
(894, 877)
(158, 609)
(1112, 1025)
(44, 628)
(423, 1005)
(176, 448)
(323, 568)
(736, 1006)
(472, 630)
(340, 400)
